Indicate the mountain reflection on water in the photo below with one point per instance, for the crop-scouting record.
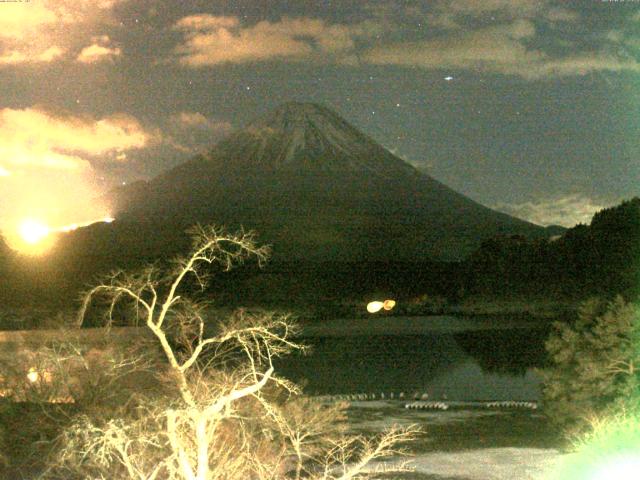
(464, 364)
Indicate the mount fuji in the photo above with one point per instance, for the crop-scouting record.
(312, 186)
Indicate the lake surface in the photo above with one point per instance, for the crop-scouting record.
(458, 359)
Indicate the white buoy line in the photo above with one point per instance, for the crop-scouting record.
(422, 402)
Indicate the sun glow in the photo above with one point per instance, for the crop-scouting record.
(32, 236)
(33, 231)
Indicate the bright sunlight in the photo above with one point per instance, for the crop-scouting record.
(33, 231)
(32, 236)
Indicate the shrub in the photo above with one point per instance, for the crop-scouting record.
(594, 364)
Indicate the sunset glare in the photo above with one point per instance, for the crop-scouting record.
(34, 236)
(33, 231)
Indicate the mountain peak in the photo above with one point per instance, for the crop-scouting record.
(300, 108)
(294, 115)
(302, 135)
(303, 119)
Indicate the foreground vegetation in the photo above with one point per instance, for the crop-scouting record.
(195, 401)
(593, 382)
(595, 362)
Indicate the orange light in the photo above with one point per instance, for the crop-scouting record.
(388, 304)
(376, 306)
(33, 375)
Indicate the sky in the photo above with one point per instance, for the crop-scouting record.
(531, 107)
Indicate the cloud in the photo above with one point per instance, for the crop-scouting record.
(442, 20)
(454, 14)
(40, 32)
(211, 40)
(196, 131)
(99, 50)
(498, 36)
(198, 120)
(95, 53)
(491, 48)
(566, 211)
(497, 49)
(512, 8)
(15, 57)
(559, 14)
(35, 138)
(503, 43)
(580, 64)
(18, 20)
(84, 12)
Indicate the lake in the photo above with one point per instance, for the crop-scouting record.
(461, 362)
(443, 357)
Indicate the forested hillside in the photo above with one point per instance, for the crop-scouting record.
(602, 258)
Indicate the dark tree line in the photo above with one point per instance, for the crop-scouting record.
(602, 258)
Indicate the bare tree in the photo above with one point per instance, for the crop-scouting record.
(224, 413)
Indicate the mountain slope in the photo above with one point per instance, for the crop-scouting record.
(316, 188)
